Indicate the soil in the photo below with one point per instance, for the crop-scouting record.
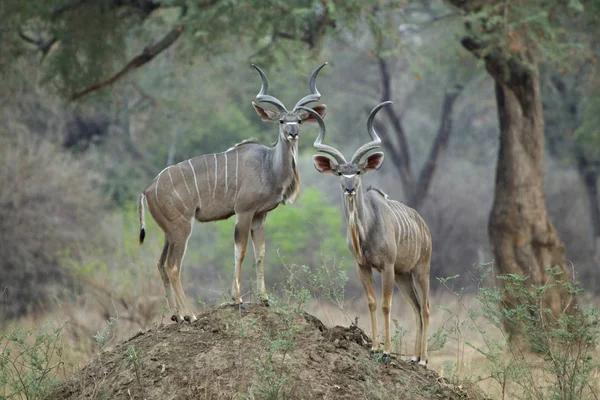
(257, 353)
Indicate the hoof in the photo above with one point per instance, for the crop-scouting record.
(175, 318)
(191, 319)
(242, 306)
(423, 363)
(386, 359)
(375, 355)
(264, 300)
(413, 360)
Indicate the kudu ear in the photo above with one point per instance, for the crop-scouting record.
(264, 114)
(320, 109)
(323, 164)
(373, 162)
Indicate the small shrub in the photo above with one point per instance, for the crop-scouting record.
(554, 357)
(31, 361)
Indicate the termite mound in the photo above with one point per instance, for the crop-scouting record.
(254, 353)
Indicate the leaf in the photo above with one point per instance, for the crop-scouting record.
(576, 5)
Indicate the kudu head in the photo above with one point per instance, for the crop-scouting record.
(289, 121)
(365, 159)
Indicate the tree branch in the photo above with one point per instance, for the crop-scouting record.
(42, 46)
(437, 150)
(406, 175)
(58, 11)
(147, 55)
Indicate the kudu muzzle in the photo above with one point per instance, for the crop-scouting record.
(290, 130)
(349, 185)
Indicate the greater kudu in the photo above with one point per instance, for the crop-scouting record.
(247, 181)
(382, 234)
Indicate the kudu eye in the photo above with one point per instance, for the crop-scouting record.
(299, 121)
(281, 121)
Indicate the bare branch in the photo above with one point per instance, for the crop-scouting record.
(437, 150)
(42, 46)
(58, 11)
(403, 158)
(147, 55)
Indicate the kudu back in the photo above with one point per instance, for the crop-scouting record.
(248, 180)
(382, 234)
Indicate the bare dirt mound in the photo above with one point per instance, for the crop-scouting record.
(258, 353)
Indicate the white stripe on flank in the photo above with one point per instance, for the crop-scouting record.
(184, 180)
(236, 174)
(216, 169)
(176, 192)
(226, 188)
(410, 234)
(196, 183)
(157, 180)
(207, 177)
(395, 217)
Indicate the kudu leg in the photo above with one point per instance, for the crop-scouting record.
(387, 290)
(177, 248)
(165, 278)
(258, 242)
(405, 285)
(366, 277)
(420, 279)
(242, 231)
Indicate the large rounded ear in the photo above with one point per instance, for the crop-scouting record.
(264, 114)
(323, 164)
(320, 109)
(373, 162)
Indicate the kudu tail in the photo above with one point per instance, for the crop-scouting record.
(142, 216)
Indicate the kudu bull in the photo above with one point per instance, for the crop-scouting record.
(247, 181)
(382, 234)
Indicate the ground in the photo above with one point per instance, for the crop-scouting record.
(257, 353)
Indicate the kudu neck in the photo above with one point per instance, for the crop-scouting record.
(285, 169)
(355, 208)
(284, 157)
(358, 218)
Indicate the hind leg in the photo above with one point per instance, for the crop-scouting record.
(420, 284)
(177, 247)
(165, 277)
(405, 285)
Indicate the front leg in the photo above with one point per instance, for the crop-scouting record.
(366, 277)
(242, 230)
(387, 290)
(258, 242)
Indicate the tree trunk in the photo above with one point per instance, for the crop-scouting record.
(523, 238)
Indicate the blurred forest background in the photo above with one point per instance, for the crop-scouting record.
(73, 163)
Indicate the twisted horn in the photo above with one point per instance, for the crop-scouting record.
(314, 93)
(262, 96)
(328, 150)
(375, 139)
